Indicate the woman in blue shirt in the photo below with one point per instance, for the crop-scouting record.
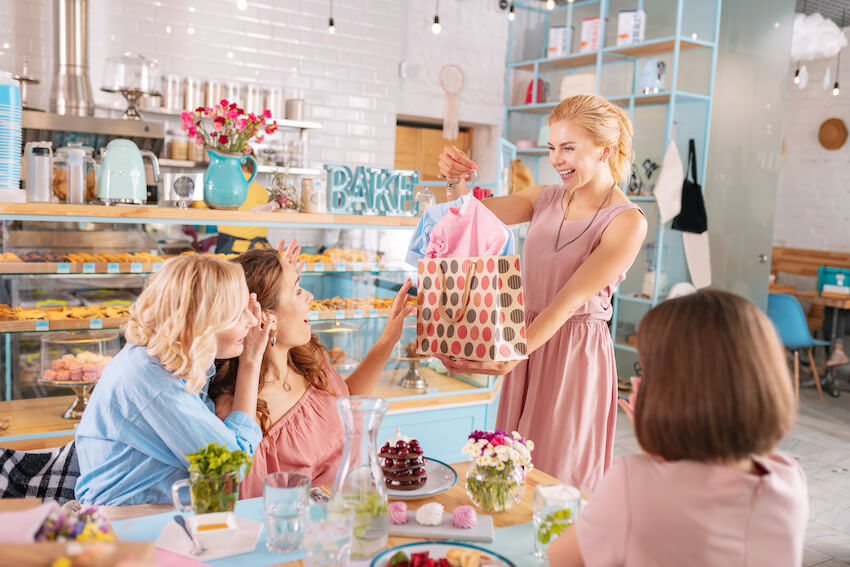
(150, 406)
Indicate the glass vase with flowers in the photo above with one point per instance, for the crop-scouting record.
(226, 131)
(495, 479)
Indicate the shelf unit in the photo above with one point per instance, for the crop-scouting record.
(688, 35)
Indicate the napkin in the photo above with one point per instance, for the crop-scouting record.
(174, 539)
(22, 525)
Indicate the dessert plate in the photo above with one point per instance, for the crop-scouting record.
(441, 477)
(438, 549)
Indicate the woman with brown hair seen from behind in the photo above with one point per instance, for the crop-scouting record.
(714, 400)
(298, 387)
(584, 235)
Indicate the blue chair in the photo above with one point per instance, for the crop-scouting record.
(790, 322)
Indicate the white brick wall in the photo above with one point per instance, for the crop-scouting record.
(813, 200)
(349, 79)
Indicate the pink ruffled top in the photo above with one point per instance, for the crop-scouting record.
(309, 439)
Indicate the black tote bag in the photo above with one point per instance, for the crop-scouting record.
(692, 217)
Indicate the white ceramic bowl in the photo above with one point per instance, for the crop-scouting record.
(212, 538)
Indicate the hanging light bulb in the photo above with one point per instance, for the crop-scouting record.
(835, 89)
(550, 4)
(436, 27)
(331, 26)
(511, 13)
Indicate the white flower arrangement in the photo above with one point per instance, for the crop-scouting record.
(499, 450)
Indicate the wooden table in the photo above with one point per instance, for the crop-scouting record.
(36, 419)
(456, 496)
(836, 301)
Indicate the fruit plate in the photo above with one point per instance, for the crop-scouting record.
(441, 477)
(437, 550)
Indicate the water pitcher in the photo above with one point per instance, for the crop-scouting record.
(359, 484)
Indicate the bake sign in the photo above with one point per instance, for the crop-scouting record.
(371, 191)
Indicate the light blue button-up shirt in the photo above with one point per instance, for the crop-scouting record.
(139, 423)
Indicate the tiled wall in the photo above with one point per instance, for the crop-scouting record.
(350, 79)
(813, 201)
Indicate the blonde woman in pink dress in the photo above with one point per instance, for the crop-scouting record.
(709, 489)
(584, 235)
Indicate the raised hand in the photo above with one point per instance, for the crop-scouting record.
(290, 255)
(454, 164)
(399, 310)
(258, 334)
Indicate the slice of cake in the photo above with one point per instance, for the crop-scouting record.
(403, 463)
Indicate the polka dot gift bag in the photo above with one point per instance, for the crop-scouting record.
(471, 308)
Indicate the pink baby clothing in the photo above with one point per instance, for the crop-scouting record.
(467, 231)
(309, 439)
(648, 512)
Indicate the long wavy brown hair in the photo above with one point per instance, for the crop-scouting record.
(264, 272)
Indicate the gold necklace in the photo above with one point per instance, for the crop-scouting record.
(567, 212)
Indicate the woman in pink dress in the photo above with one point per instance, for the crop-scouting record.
(715, 399)
(584, 235)
(298, 388)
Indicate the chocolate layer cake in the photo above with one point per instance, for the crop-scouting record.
(403, 465)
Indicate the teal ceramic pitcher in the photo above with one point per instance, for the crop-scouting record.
(225, 187)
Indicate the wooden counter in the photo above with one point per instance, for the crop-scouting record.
(38, 418)
(40, 421)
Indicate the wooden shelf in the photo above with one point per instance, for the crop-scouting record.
(658, 47)
(48, 325)
(77, 268)
(575, 60)
(173, 215)
(539, 108)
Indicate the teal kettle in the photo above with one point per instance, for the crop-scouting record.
(121, 178)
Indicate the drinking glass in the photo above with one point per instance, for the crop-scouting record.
(556, 507)
(327, 537)
(286, 497)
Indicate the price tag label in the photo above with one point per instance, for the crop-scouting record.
(88, 268)
(95, 323)
(136, 268)
(63, 268)
(318, 267)
(112, 268)
(358, 313)
(313, 316)
(340, 314)
(432, 391)
(373, 313)
(156, 266)
(358, 266)
(42, 325)
(341, 266)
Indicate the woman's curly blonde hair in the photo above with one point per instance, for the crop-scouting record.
(181, 309)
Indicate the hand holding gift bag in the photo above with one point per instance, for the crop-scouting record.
(471, 308)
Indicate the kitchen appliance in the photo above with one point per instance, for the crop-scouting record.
(133, 76)
(122, 173)
(70, 92)
(181, 189)
(38, 163)
(74, 171)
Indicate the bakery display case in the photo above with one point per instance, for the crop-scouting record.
(353, 266)
(344, 342)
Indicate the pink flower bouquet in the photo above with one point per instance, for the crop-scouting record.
(227, 128)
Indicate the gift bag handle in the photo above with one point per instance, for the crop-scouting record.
(464, 302)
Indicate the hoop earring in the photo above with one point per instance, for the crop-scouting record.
(273, 339)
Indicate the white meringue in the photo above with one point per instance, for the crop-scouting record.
(430, 514)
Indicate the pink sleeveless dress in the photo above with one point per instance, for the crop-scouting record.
(309, 439)
(564, 397)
